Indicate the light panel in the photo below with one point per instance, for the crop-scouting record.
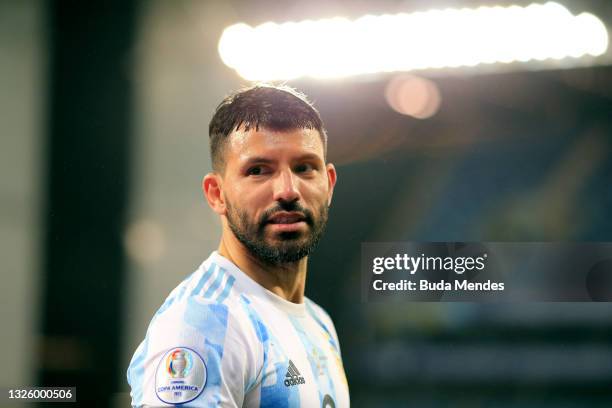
(339, 47)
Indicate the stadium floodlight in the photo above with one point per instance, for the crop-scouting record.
(338, 47)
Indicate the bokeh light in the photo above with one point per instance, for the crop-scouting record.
(145, 241)
(413, 96)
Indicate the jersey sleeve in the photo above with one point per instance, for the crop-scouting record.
(194, 355)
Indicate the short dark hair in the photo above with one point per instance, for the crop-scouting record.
(277, 108)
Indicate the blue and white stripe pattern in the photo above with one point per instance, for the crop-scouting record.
(246, 337)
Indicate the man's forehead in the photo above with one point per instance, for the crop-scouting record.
(242, 141)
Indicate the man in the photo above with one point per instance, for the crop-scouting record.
(239, 331)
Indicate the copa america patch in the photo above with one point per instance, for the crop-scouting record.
(180, 376)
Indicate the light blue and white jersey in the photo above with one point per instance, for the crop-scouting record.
(222, 340)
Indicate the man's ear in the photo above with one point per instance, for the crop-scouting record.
(212, 187)
(332, 176)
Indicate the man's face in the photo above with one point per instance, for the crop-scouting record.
(277, 189)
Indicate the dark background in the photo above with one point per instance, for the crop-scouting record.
(105, 144)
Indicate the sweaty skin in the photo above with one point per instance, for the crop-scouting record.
(262, 169)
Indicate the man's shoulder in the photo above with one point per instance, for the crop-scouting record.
(318, 313)
(207, 293)
(314, 307)
(198, 317)
(324, 320)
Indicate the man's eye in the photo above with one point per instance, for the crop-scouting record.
(304, 168)
(255, 171)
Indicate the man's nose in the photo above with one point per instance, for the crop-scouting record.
(285, 188)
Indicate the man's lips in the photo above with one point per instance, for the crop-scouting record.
(287, 221)
(285, 218)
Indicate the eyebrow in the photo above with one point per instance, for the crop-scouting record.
(265, 160)
(258, 159)
(310, 156)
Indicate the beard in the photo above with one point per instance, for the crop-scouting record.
(286, 247)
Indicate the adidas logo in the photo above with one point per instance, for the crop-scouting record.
(293, 376)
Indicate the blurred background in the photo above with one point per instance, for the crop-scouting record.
(104, 113)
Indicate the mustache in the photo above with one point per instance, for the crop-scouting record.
(286, 206)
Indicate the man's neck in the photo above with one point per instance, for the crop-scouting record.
(287, 281)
